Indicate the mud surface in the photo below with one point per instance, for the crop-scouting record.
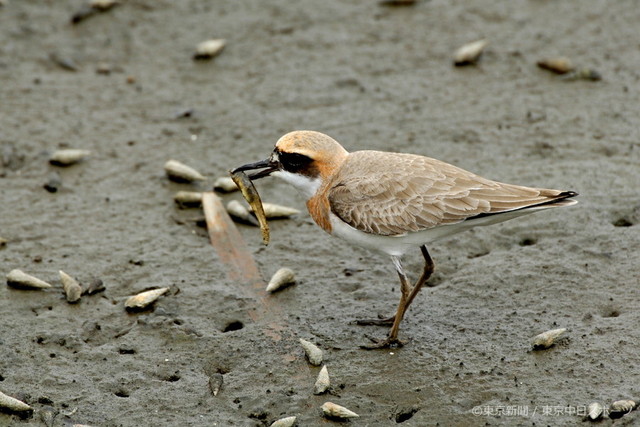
(123, 84)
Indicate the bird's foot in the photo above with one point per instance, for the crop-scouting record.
(385, 343)
(376, 322)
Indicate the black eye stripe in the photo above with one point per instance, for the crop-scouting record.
(293, 161)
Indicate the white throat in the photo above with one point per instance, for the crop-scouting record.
(305, 185)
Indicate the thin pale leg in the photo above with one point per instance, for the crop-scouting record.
(407, 295)
(426, 273)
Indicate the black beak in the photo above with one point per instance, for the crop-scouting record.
(267, 167)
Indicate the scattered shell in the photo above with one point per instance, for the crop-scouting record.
(252, 197)
(282, 278)
(621, 407)
(63, 62)
(13, 404)
(273, 211)
(547, 339)
(225, 184)
(583, 74)
(188, 198)
(558, 65)
(180, 172)
(209, 48)
(284, 422)
(72, 288)
(469, 53)
(68, 157)
(314, 354)
(103, 5)
(215, 383)
(322, 383)
(21, 280)
(94, 287)
(144, 299)
(331, 410)
(239, 211)
(595, 411)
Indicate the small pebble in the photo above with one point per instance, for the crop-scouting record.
(20, 280)
(54, 182)
(314, 354)
(96, 285)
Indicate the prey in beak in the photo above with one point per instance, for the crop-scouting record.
(268, 166)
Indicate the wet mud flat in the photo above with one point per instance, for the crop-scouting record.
(214, 349)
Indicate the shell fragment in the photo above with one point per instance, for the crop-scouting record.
(177, 171)
(188, 198)
(547, 339)
(469, 53)
(331, 410)
(284, 422)
(12, 404)
(68, 157)
(209, 48)
(621, 407)
(558, 65)
(281, 279)
(72, 288)
(239, 211)
(322, 383)
(314, 354)
(21, 280)
(225, 184)
(595, 411)
(144, 299)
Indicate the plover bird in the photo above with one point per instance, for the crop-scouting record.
(394, 202)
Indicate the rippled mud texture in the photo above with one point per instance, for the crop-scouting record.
(123, 85)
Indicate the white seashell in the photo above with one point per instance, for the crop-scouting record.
(225, 184)
(558, 65)
(469, 53)
(180, 172)
(72, 288)
(13, 404)
(281, 279)
(322, 383)
(332, 410)
(595, 411)
(21, 280)
(188, 198)
(103, 5)
(314, 354)
(240, 212)
(547, 339)
(284, 422)
(144, 299)
(68, 157)
(273, 211)
(215, 383)
(622, 406)
(209, 48)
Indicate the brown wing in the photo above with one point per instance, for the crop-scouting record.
(394, 193)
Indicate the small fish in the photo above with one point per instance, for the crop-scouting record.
(547, 339)
(21, 280)
(209, 48)
(252, 197)
(322, 383)
(144, 299)
(72, 288)
(314, 354)
(331, 410)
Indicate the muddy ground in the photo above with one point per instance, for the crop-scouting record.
(123, 84)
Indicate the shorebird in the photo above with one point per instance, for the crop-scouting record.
(394, 202)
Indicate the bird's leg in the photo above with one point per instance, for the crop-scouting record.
(406, 297)
(426, 273)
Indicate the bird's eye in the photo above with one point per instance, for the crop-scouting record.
(293, 161)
